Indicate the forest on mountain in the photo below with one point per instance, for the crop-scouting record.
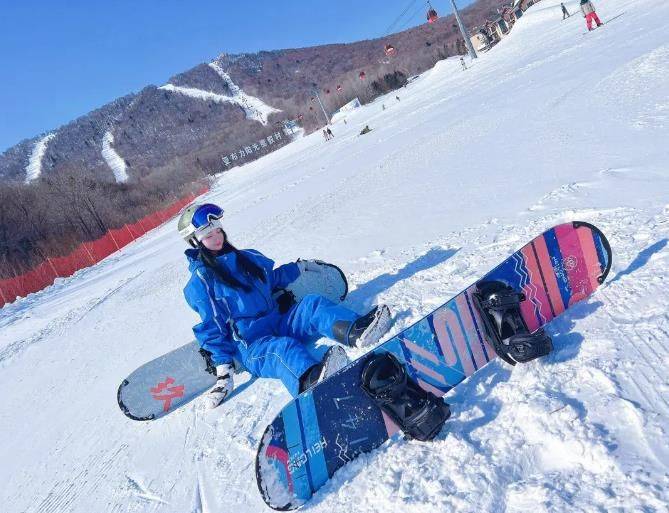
(170, 143)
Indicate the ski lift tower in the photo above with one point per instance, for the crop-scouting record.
(463, 31)
(325, 114)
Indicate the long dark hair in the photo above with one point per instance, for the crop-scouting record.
(248, 268)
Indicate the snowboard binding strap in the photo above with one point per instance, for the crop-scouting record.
(499, 306)
(418, 413)
(211, 368)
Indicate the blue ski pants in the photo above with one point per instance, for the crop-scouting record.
(282, 354)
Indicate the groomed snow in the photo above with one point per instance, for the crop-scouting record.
(551, 125)
(113, 159)
(34, 167)
(254, 108)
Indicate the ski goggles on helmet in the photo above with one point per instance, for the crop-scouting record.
(198, 221)
(204, 231)
(205, 214)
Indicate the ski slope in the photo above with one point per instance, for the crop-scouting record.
(551, 125)
(34, 167)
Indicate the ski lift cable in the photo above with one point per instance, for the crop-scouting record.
(418, 9)
(399, 18)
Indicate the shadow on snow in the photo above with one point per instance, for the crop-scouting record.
(641, 259)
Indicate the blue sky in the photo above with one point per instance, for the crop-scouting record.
(61, 59)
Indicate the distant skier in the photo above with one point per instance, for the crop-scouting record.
(325, 135)
(588, 10)
(463, 64)
(234, 292)
(565, 12)
(330, 134)
(397, 98)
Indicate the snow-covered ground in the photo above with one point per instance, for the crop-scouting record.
(551, 125)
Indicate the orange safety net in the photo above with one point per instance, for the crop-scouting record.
(88, 253)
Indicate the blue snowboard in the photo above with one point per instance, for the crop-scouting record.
(326, 427)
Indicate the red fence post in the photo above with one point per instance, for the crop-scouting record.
(52, 267)
(111, 236)
(88, 251)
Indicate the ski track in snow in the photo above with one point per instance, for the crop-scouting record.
(34, 167)
(113, 159)
(254, 108)
(414, 212)
(55, 325)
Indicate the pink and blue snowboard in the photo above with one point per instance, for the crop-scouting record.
(326, 427)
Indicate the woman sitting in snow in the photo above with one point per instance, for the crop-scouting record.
(232, 291)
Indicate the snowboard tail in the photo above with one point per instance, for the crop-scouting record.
(326, 427)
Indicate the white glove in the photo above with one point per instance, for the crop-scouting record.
(222, 388)
(308, 266)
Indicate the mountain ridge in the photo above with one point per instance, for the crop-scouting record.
(151, 128)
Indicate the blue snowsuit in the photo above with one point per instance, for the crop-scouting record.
(247, 325)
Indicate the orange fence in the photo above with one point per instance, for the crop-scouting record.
(87, 253)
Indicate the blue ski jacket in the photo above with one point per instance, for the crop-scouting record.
(231, 316)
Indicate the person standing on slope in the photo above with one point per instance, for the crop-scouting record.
(565, 12)
(588, 10)
(232, 291)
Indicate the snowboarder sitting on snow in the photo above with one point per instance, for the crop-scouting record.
(232, 291)
(588, 10)
(365, 130)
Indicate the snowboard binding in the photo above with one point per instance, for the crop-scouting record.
(418, 413)
(499, 305)
(211, 368)
(237, 366)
